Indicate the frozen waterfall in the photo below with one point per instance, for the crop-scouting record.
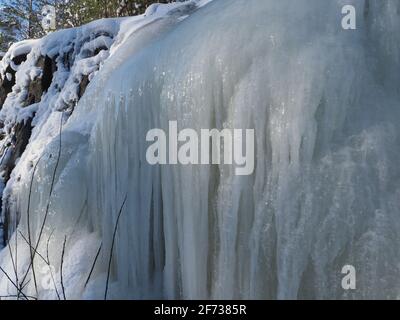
(325, 192)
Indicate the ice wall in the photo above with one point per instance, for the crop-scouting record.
(325, 192)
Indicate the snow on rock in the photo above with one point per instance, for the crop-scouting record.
(16, 50)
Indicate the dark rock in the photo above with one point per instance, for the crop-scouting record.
(49, 68)
(83, 85)
(40, 85)
(21, 134)
(6, 85)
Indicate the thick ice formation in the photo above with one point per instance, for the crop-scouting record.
(325, 192)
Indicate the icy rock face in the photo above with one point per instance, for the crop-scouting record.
(324, 193)
(30, 89)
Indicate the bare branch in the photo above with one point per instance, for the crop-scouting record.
(48, 202)
(29, 224)
(93, 265)
(13, 283)
(112, 246)
(61, 267)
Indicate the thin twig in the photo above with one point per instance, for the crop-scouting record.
(26, 283)
(48, 200)
(12, 260)
(46, 261)
(16, 251)
(13, 283)
(29, 224)
(61, 268)
(79, 218)
(16, 296)
(93, 265)
(47, 246)
(27, 242)
(112, 246)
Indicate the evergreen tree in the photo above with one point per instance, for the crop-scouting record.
(135, 7)
(24, 15)
(21, 19)
(7, 31)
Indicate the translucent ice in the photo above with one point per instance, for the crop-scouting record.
(324, 104)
